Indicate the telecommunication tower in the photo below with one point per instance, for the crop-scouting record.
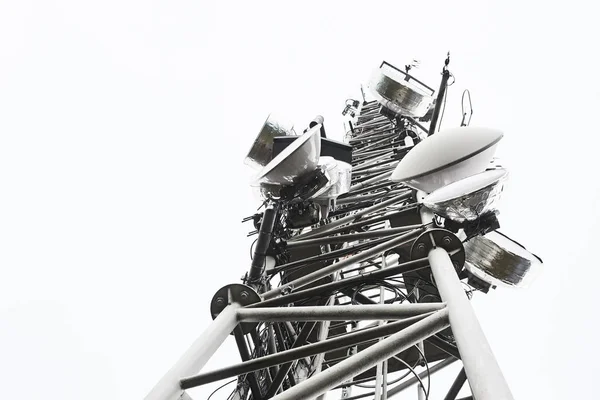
(367, 255)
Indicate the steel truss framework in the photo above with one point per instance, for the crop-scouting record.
(355, 302)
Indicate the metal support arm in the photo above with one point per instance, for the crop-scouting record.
(336, 313)
(365, 255)
(197, 356)
(483, 372)
(346, 340)
(456, 385)
(367, 358)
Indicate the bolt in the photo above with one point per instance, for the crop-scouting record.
(421, 247)
(220, 301)
(447, 240)
(244, 295)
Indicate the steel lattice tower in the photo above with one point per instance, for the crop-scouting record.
(359, 277)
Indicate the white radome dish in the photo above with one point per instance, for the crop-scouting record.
(447, 157)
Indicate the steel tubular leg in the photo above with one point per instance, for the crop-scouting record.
(456, 385)
(367, 358)
(483, 372)
(197, 355)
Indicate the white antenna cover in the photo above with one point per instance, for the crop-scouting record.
(447, 157)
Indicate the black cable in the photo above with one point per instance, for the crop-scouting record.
(462, 106)
(415, 373)
(394, 381)
(400, 280)
(251, 247)
(373, 284)
(453, 79)
(428, 375)
(221, 387)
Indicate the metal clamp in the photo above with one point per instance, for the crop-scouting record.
(443, 238)
(234, 293)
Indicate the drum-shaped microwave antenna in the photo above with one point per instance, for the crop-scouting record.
(261, 152)
(499, 260)
(400, 96)
(467, 199)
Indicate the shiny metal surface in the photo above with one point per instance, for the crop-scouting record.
(485, 377)
(468, 198)
(363, 256)
(196, 356)
(400, 97)
(261, 152)
(499, 260)
(296, 160)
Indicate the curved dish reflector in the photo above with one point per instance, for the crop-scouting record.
(499, 260)
(261, 152)
(468, 198)
(447, 157)
(299, 158)
(399, 96)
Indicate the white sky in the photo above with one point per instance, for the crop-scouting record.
(123, 128)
